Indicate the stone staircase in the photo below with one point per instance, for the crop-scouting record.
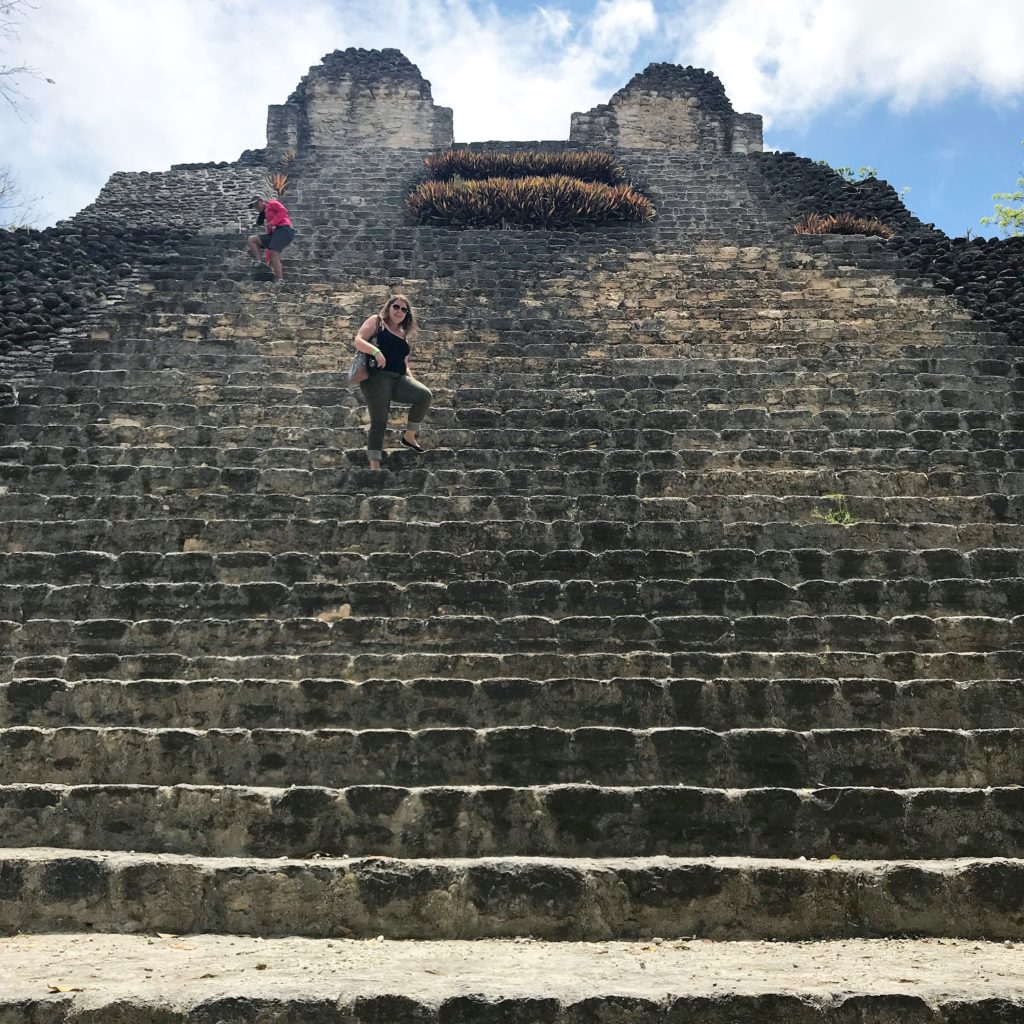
(699, 620)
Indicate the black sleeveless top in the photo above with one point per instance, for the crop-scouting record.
(394, 348)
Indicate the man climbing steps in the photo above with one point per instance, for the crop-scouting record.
(272, 242)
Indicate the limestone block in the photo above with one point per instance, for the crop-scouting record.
(356, 97)
(669, 107)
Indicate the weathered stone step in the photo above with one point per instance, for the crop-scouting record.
(566, 518)
(514, 756)
(333, 632)
(497, 571)
(632, 516)
(515, 461)
(881, 415)
(315, 268)
(729, 374)
(581, 821)
(451, 401)
(341, 410)
(758, 289)
(569, 702)
(215, 979)
(556, 598)
(591, 439)
(757, 304)
(548, 898)
(478, 447)
(658, 534)
(770, 287)
(443, 476)
(481, 292)
(639, 367)
(495, 277)
(755, 291)
(659, 355)
(279, 358)
(469, 274)
(888, 666)
(489, 296)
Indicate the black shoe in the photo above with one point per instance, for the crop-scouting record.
(414, 446)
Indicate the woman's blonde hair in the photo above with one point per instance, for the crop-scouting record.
(409, 323)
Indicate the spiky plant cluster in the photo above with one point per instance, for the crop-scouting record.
(587, 165)
(557, 201)
(278, 181)
(841, 224)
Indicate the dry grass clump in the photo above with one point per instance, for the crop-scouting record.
(557, 201)
(587, 165)
(841, 224)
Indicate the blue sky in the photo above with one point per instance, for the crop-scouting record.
(952, 156)
(930, 92)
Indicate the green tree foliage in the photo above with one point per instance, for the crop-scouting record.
(1009, 215)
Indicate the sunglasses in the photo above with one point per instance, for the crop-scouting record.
(399, 306)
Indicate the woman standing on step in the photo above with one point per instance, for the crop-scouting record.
(385, 337)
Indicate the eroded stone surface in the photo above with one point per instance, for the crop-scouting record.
(890, 981)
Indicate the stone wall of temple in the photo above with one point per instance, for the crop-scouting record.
(669, 107)
(197, 199)
(363, 98)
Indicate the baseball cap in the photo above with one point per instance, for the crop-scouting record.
(254, 200)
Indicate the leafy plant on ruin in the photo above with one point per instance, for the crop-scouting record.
(557, 201)
(277, 178)
(587, 165)
(860, 175)
(838, 514)
(1009, 215)
(841, 224)
(854, 177)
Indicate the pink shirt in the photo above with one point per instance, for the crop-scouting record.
(275, 214)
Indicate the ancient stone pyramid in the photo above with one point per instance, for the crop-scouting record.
(680, 681)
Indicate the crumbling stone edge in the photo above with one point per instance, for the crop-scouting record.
(984, 275)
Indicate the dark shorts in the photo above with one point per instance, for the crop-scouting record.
(277, 238)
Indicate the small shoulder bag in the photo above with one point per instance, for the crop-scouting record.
(360, 368)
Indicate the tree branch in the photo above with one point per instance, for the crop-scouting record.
(11, 12)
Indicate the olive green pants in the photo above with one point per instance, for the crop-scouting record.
(381, 389)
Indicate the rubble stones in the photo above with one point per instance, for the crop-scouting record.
(801, 186)
(984, 275)
(51, 278)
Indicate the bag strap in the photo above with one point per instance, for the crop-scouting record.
(376, 334)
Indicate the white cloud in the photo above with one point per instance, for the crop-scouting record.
(791, 59)
(507, 79)
(557, 22)
(620, 25)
